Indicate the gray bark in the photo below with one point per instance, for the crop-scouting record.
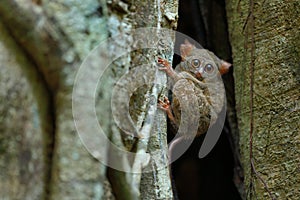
(265, 43)
(24, 112)
(42, 46)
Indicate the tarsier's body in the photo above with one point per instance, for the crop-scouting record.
(198, 74)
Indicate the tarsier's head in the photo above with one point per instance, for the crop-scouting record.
(201, 62)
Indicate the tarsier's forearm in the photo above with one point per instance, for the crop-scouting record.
(177, 76)
(185, 75)
(166, 66)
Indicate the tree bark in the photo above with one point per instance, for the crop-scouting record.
(43, 44)
(265, 45)
(25, 111)
(124, 18)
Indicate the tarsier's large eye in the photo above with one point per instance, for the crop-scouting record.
(195, 62)
(209, 68)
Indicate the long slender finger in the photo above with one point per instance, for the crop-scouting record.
(166, 100)
(163, 68)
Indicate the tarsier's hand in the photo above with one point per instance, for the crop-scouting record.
(166, 67)
(165, 105)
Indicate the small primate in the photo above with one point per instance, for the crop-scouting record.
(198, 75)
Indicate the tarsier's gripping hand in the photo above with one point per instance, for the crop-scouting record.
(166, 66)
(200, 68)
(165, 105)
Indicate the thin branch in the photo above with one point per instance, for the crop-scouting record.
(251, 18)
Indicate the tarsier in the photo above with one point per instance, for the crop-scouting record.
(197, 74)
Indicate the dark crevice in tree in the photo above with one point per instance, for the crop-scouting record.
(50, 149)
(219, 175)
(49, 122)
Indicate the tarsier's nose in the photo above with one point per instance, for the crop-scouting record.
(198, 75)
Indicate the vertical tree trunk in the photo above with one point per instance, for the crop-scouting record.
(124, 18)
(45, 42)
(265, 43)
(24, 132)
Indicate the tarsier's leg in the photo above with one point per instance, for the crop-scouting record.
(213, 115)
(166, 106)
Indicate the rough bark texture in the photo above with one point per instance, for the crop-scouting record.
(42, 45)
(54, 43)
(24, 112)
(124, 17)
(265, 43)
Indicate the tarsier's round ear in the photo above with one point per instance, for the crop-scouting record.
(225, 66)
(185, 49)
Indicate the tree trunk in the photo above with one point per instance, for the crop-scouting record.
(43, 44)
(265, 44)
